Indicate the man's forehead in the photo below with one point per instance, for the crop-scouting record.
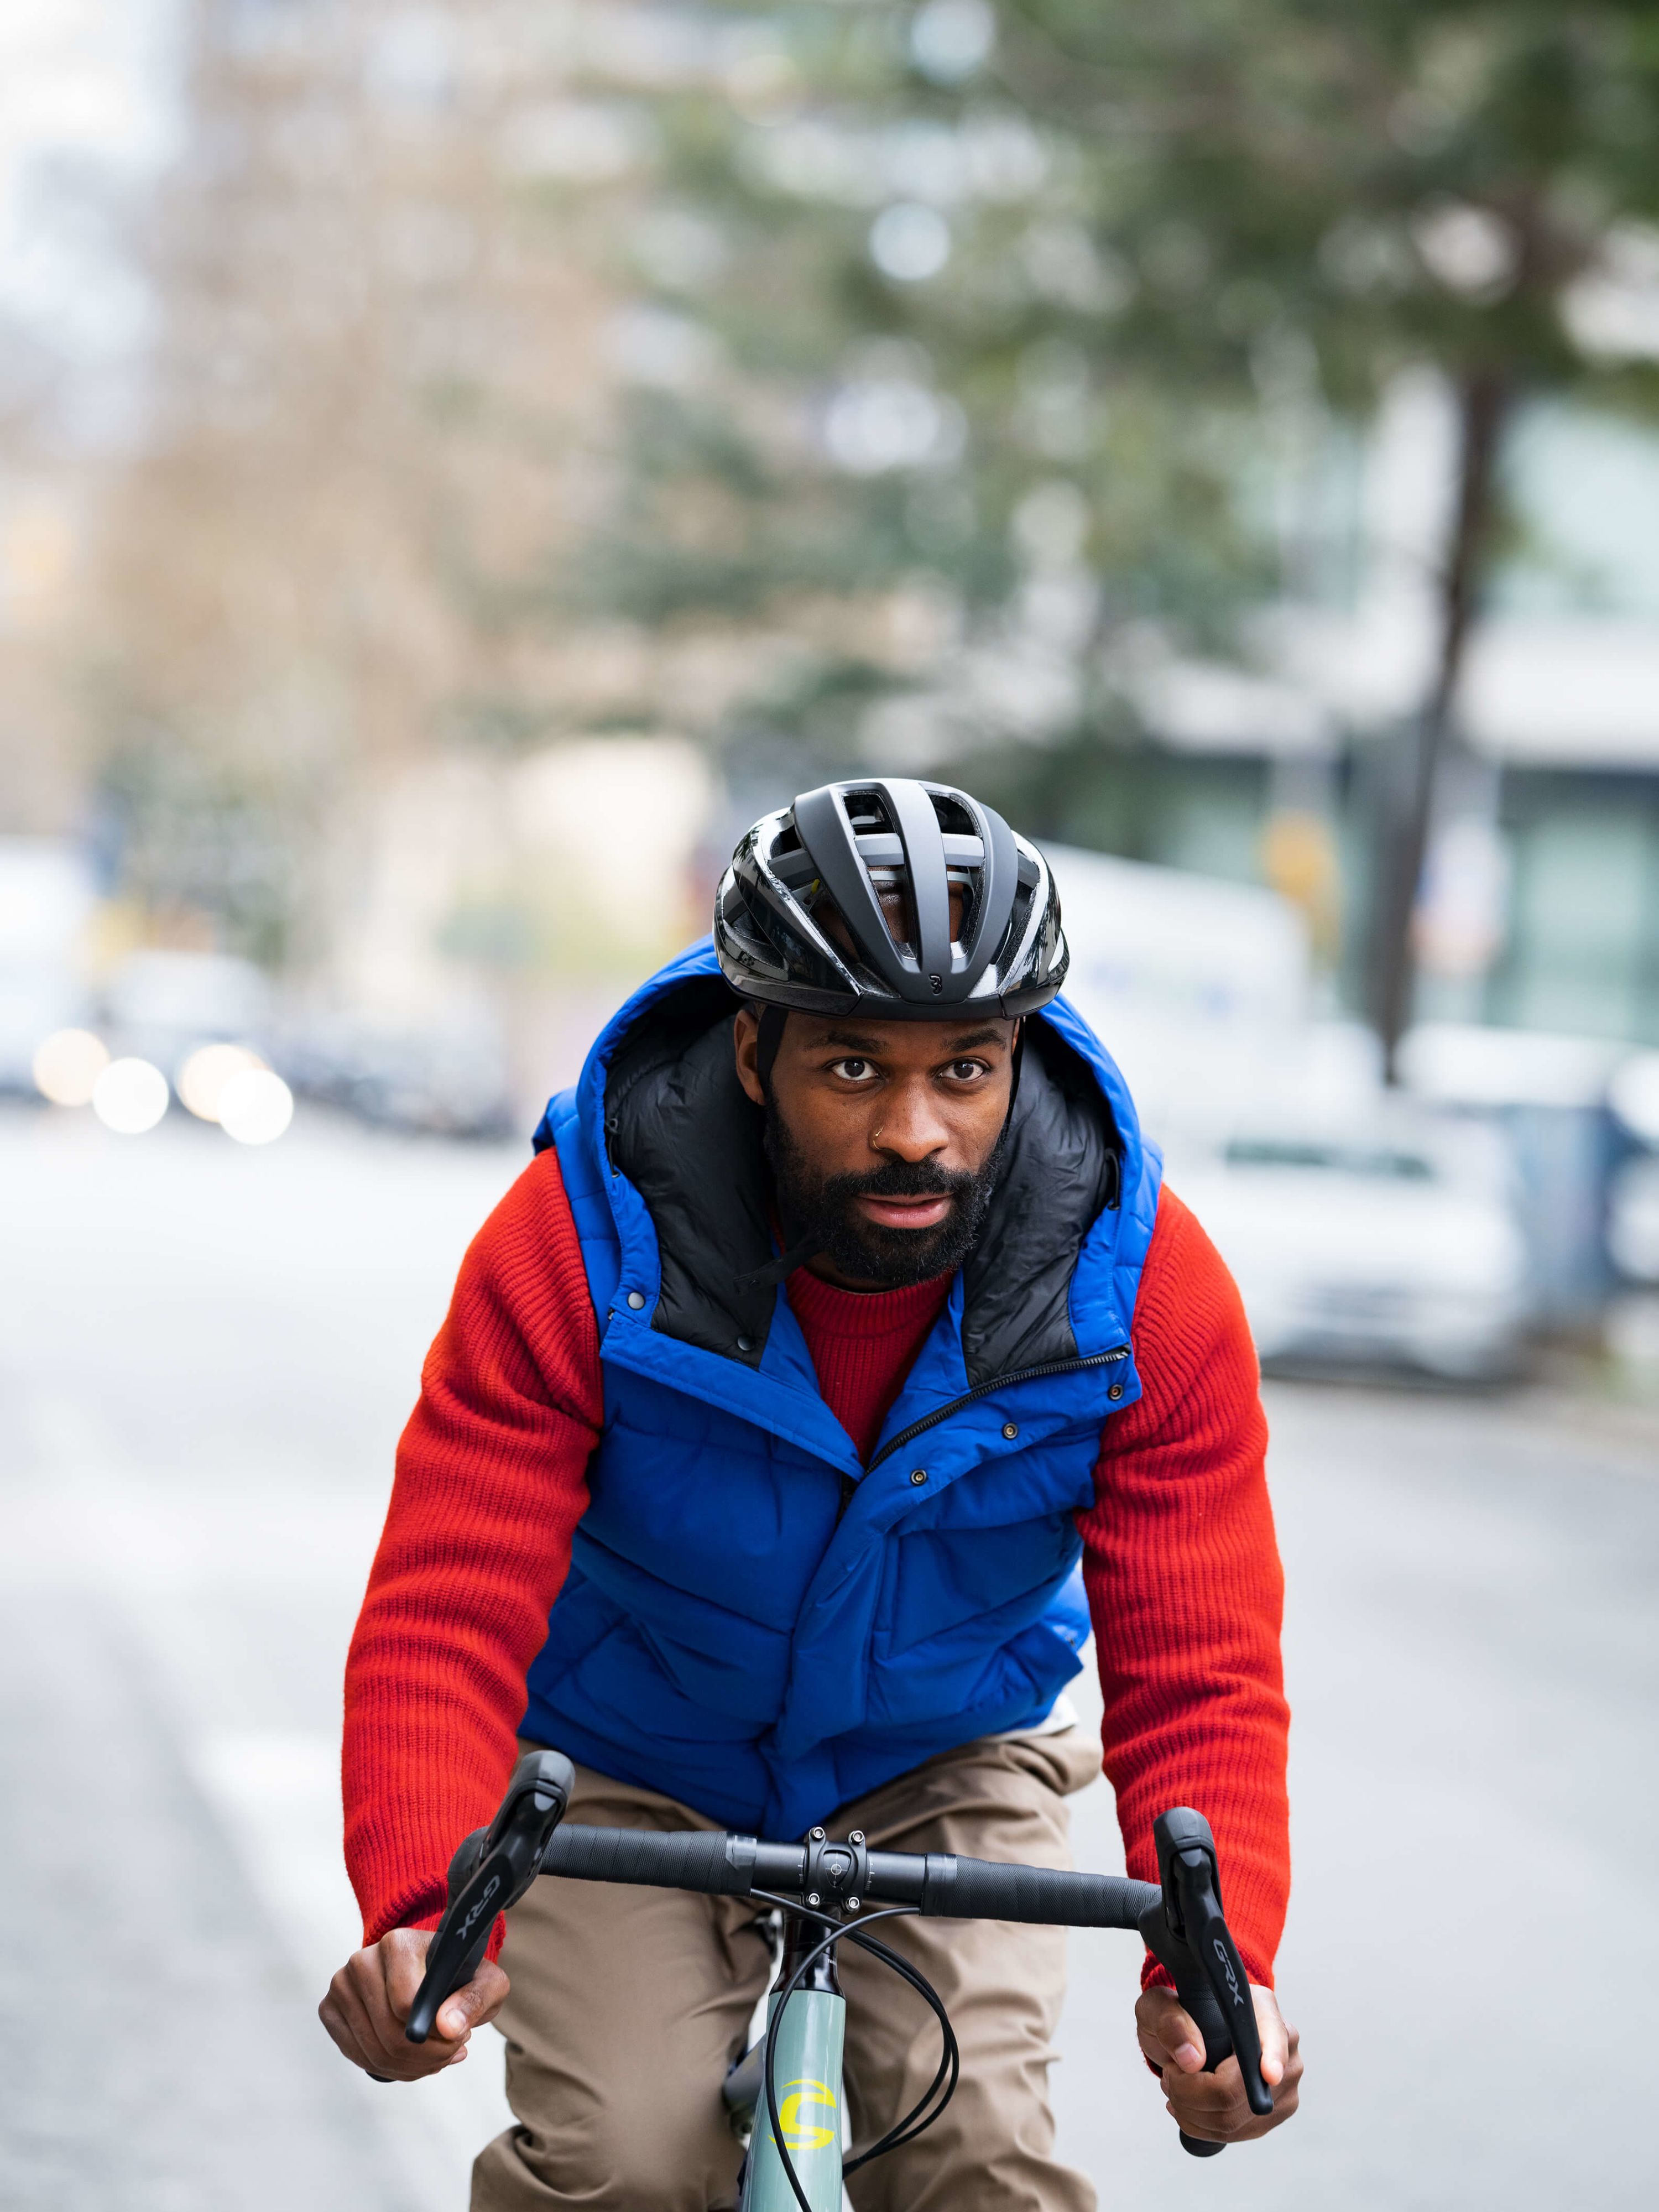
(928, 1040)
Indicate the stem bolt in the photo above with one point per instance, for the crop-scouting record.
(851, 1905)
(856, 1837)
(811, 1897)
(815, 1834)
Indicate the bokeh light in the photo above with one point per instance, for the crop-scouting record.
(203, 1077)
(952, 38)
(130, 1097)
(255, 1107)
(909, 242)
(67, 1064)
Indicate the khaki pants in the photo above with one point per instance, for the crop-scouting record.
(628, 2004)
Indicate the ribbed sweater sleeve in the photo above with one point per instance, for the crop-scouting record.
(1186, 1591)
(491, 1481)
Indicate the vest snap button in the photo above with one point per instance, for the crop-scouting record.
(1011, 1429)
(746, 1343)
(1116, 1390)
(919, 1474)
(636, 1299)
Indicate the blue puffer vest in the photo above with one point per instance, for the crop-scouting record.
(754, 1622)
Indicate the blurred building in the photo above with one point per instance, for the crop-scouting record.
(1540, 907)
(371, 403)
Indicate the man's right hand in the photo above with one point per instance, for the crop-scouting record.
(372, 1995)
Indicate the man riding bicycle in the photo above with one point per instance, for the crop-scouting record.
(836, 1365)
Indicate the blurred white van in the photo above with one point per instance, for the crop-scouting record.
(1390, 1242)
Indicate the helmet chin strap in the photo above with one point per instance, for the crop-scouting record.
(769, 1036)
(785, 1264)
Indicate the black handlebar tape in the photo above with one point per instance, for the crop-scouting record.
(942, 1885)
(982, 1889)
(708, 1861)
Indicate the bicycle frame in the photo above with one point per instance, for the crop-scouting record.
(811, 2039)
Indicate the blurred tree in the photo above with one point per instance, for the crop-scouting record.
(878, 424)
(1339, 189)
(369, 404)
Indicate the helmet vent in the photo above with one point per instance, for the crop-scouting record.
(890, 896)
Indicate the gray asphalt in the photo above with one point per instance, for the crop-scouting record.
(206, 1354)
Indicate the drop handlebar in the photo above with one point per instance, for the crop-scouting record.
(1179, 1917)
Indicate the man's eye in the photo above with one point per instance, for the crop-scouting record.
(966, 1071)
(852, 1070)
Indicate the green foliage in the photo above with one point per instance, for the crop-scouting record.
(1401, 179)
(911, 320)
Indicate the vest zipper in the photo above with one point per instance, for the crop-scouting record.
(983, 1390)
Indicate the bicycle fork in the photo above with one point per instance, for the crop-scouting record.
(808, 2072)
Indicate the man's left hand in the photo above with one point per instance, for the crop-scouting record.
(1212, 2107)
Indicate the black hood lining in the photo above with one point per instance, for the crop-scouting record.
(680, 1127)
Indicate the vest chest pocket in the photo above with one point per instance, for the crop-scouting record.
(989, 1584)
(720, 1522)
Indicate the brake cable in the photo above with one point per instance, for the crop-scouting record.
(945, 2077)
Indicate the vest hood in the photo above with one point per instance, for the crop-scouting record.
(660, 1101)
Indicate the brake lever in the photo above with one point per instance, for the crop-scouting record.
(490, 1871)
(1186, 1931)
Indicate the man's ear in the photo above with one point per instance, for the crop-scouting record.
(746, 1045)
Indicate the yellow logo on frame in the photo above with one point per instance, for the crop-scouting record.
(804, 2134)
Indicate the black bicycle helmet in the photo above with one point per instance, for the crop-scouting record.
(901, 900)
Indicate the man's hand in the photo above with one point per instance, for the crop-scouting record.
(374, 1993)
(1212, 2107)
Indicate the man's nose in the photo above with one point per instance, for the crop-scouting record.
(910, 1126)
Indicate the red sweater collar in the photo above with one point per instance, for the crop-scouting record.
(825, 1309)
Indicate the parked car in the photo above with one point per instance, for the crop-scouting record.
(445, 1079)
(1395, 1241)
(1633, 1219)
(161, 1005)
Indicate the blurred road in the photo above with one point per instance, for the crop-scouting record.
(206, 1354)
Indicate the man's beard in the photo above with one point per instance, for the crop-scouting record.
(825, 1208)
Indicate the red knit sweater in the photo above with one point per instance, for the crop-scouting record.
(863, 1344)
(1179, 1558)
